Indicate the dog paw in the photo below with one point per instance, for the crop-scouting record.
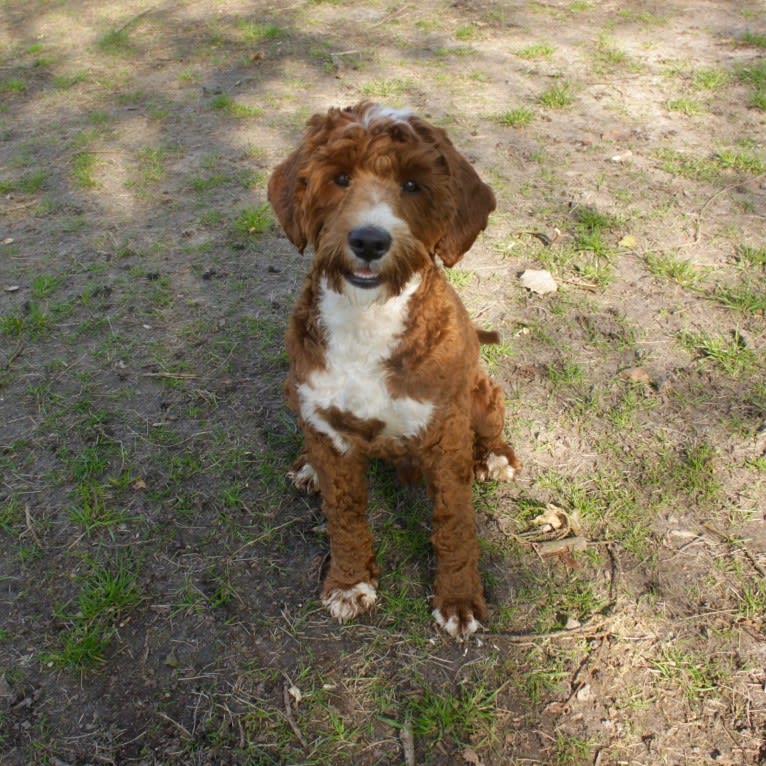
(459, 626)
(495, 468)
(347, 604)
(305, 479)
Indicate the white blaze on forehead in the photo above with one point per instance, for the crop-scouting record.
(378, 112)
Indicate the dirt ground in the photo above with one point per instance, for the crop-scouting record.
(159, 577)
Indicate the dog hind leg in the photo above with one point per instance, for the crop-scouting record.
(494, 460)
(303, 475)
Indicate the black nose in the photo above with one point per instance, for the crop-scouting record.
(369, 242)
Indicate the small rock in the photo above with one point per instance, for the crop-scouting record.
(584, 693)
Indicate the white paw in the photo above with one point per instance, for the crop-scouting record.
(498, 468)
(346, 604)
(455, 627)
(305, 479)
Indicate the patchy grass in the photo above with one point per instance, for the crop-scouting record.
(158, 568)
(253, 221)
(516, 118)
(670, 266)
(731, 354)
(536, 51)
(106, 593)
(685, 105)
(228, 105)
(558, 96)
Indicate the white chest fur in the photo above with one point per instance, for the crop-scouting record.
(361, 334)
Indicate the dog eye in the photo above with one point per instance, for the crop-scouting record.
(342, 179)
(411, 187)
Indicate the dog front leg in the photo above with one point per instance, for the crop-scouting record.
(351, 580)
(458, 601)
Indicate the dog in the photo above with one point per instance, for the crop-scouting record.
(384, 361)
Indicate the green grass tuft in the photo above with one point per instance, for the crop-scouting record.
(557, 96)
(254, 221)
(536, 51)
(516, 118)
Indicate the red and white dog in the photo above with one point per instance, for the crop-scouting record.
(384, 360)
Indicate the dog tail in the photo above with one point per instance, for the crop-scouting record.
(488, 337)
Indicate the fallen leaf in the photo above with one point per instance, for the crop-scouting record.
(295, 693)
(584, 693)
(553, 517)
(11, 288)
(470, 756)
(636, 375)
(539, 281)
(628, 242)
(567, 559)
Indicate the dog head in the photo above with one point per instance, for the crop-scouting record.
(378, 193)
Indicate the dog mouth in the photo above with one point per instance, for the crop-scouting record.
(363, 277)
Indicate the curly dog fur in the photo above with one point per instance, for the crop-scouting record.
(384, 360)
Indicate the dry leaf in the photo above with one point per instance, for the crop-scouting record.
(539, 281)
(470, 756)
(584, 693)
(552, 517)
(628, 242)
(636, 375)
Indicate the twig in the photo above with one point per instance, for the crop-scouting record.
(264, 536)
(591, 629)
(726, 189)
(739, 545)
(179, 726)
(20, 206)
(552, 547)
(408, 744)
(400, 11)
(579, 283)
(171, 375)
(14, 355)
(30, 526)
(135, 19)
(289, 715)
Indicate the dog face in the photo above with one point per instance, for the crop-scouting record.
(378, 193)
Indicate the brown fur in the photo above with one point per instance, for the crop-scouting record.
(436, 359)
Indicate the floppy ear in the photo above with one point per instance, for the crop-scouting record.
(474, 201)
(286, 187)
